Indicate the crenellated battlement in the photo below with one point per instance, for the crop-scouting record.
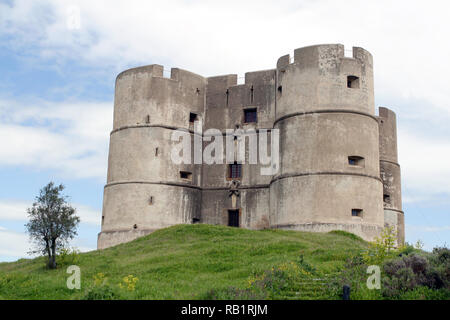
(182, 76)
(327, 56)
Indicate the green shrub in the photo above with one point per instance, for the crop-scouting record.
(381, 248)
(101, 290)
(413, 271)
(67, 257)
(406, 249)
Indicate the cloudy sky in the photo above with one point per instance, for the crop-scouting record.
(59, 59)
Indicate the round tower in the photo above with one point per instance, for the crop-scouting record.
(145, 191)
(390, 173)
(329, 176)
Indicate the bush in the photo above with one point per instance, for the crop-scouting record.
(101, 290)
(406, 249)
(411, 272)
(381, 248)
(67, 257)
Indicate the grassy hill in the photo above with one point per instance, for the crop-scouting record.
(182, 262)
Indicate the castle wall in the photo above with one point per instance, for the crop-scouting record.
(322, 123)
(390, 172)
(144, 189)
(336, 156)
(253, 204)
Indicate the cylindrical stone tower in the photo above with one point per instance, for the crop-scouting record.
(329, 175)
(390, 173)
(145, 191)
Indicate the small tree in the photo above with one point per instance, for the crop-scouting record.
(52, 222)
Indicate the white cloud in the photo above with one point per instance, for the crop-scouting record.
(70, 137)
(16, 211)
(13, 244)
(424, 164)
(406, 37)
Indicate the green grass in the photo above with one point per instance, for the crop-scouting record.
(182, 262)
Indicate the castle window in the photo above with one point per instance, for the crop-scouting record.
(135, 226)
(357, 213)
(356, 161)
(185, 175)
(233, 218)
(147, 119)
(352, 82)
(235, 171)
(150, 200)
(193, 117)
(250, 115)
(280, 89)
(386, 198)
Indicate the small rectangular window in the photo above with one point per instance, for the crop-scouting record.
(235, 171)
(186, 175)
(357, 213)
(150, 200)
(356, 161)
(250, 115)
(386, 198)
(193, 117)
(352, 82)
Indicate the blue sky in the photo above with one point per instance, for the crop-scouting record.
(59, 59)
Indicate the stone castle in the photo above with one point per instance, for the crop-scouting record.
(338, 167)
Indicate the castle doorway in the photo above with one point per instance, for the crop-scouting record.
(233, 218)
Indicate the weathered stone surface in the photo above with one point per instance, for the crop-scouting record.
(323, 104)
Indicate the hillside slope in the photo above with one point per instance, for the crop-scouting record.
(181, 262)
